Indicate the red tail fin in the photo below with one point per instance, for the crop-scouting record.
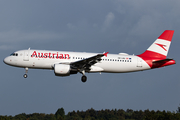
(159, 49)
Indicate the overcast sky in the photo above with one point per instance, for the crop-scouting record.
(113, 26)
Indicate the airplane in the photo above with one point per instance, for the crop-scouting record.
(65, 63)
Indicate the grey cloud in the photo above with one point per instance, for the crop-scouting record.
(17, 36)
(108, 21)
(6, 47)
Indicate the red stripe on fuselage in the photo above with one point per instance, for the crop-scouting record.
(150, 56)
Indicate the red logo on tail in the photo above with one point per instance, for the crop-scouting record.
(162, 46)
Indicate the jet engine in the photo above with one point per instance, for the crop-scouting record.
(62, 70)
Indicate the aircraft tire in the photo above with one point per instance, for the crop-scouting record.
(25, 75)
(83, 78)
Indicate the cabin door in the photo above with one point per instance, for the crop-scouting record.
(26, 55)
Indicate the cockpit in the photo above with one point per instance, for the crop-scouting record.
(14, 54)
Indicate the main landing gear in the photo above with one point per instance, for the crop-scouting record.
(83, 78)
(25, 75)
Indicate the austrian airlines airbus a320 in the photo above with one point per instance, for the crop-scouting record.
(66, 63)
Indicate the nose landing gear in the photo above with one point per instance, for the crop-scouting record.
(25, 75)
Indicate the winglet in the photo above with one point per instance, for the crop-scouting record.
(105, 54)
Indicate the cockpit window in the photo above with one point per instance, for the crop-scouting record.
(14, 54)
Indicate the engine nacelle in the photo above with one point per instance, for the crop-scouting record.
(62, 70)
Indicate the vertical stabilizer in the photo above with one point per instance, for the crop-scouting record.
(159, 49)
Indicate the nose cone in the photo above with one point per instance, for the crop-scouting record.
(6, 60)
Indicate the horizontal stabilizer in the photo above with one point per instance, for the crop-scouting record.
(164, 60)
(162, 63)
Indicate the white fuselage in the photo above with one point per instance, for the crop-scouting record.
(42, 59)
(66, 63)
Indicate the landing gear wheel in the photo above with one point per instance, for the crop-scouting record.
(25, 75)
(83, 78)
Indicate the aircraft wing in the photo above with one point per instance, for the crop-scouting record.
(85, 64)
